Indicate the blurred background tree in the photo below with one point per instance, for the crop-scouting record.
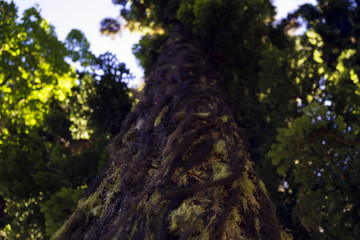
(317, 154)
(55, 121)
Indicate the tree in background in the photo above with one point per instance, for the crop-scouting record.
(50, 149)
(317, 154)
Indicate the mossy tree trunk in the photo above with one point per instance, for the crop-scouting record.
(179, 168)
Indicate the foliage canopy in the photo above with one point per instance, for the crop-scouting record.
(51, 142)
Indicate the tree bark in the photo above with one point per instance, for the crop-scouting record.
(179, 168)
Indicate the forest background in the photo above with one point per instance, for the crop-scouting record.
(296, 101)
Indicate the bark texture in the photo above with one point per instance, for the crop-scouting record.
(179, 168)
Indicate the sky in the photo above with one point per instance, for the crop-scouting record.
(86, 15)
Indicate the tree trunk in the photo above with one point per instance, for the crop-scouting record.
(179, 168)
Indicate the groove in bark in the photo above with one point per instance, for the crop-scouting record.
(178, 169)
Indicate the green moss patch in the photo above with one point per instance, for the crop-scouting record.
(160, 116)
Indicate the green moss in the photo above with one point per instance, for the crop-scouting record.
(186, 216)
(77, 217)
(109, 197)
(128, 136)
(220, 170)
(285, 235)
(152, 201)
(183, 180)
(60, 232)
(257, 226)
(180, 115)
(248, 164)
(203, 115)
(97, 211)
(160, 116)
(80, 202)
(224, 118)
(247, 188)
(233, 222)
(91, 202)
(219, 147)
(155, 198)
(244, 204)
(263, 188)
(133, 230)
(112, 188)
(91, 205)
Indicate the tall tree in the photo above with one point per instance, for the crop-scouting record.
(179, 167)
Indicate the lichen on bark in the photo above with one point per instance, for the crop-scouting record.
(184, 172)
